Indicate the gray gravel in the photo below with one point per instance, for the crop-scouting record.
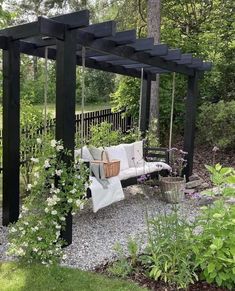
(95, 234)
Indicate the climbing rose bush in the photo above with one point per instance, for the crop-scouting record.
(56, 190)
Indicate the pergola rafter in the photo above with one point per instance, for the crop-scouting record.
(107, 50)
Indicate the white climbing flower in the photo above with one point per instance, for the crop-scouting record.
(39, 141)
(70, 200)
(59, 148)
(58, 226)
(46, 210)
(53, 212)
(36, 175)
(35, 250)
(13, 229)
(29, 187)
(73, 191)
(39, 238)
(34, 160)
(58, 172)
(53, 143)
(46, 164)
(62, 218)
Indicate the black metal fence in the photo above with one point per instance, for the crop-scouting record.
(118, 120)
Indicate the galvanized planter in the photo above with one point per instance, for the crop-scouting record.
(172, 189)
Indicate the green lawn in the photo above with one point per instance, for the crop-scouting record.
(14, 277)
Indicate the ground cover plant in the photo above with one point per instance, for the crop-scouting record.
(14, 276)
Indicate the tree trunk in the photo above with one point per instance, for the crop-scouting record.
(154, 30)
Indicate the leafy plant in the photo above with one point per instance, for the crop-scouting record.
(224, 180)
(125, 264)
(169, 254)
(177, 161)
(56, 190)
(220, 119)
(214, 247)
(103, 135)
(152, 133)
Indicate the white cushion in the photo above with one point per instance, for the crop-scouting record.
(129, 148)
(147, 168)
(86, 155)
(118, 153)
(138, 154)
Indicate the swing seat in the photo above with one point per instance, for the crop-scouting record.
(136, 159)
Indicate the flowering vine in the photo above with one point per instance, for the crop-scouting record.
(57, 188)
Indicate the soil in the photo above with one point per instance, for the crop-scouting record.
(203, 155)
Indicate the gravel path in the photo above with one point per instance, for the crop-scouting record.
(95, 234)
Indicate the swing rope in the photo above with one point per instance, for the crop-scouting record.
(45, 88)
(172, 110)
(141, 94)
(83, 97)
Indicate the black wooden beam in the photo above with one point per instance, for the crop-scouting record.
(3, 42)
(196, 63)
(174, 54)
(65, 104)
(100, 30)
(11, 131)
(145, 104)
(185, 59)
(190, 118)
(76, 19)
(51, 28)
(159, 50)
(143, 44)
(206, 66)
(123, 37)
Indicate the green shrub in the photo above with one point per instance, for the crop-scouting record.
(103, 135)
(214, 247)
(169, 252)
(216, 124)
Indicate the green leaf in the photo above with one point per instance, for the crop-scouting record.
(211, 267)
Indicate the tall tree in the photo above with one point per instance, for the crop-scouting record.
(154, 30)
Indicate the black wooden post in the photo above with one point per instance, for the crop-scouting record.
(190, 118)
(11, 131)
(65, 103)
(145, 104)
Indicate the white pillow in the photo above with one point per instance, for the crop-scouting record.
(138, 154)
(129, 148)
(86, 155)
(118, 153)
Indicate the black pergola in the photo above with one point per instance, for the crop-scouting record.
(107, 50)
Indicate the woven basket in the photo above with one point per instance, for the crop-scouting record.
(111, 168)
(172, 189)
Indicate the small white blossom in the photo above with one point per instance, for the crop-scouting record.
(64, 257)
(39, 238)
(46, 210)
(29, 187)
(36, 175)
(34, 160)
(58, 226)
(35, 250)
(53, 143)
(73, 191)
(39, 141)
(73, 213)
(53, 212)
(26, 223)
(13, 229)
(57, 234)
(59, 148)
(58, 172)
(70, 200)
(47, 164)
(62, 218)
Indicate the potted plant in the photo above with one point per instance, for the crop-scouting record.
(172, 187)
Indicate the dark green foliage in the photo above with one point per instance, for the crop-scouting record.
(214, 248)
(127, 96)
(103, 135)
(219, 118)
(98, 85)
